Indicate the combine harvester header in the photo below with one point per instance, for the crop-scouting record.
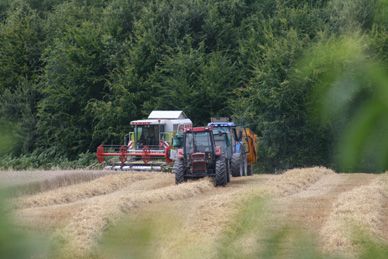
(148, 146)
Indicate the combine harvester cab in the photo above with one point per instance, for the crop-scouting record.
(242, 153)
(148, 147)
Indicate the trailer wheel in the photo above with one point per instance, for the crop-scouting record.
(221, 175)
(179, 171)
(250, 170)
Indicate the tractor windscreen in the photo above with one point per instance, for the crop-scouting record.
(220, 139)
(198, 142)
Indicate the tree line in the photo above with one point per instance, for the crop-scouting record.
(73, 74)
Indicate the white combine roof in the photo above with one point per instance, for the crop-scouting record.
(167, 115)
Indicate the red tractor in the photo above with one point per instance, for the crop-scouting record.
(198, 157)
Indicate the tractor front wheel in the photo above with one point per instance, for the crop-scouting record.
(179, 171)
(221, 177)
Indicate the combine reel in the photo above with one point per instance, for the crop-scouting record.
(145, 159)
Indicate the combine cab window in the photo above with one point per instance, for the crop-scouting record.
(148, 136)
(198, 142)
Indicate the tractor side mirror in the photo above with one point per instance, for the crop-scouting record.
(126, 139)
(218, 151)
(227, 140)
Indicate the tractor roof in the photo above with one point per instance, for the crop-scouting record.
(199, 129)
(221, 124)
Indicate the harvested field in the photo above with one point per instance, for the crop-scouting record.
(360, 209)
(193, 219)
(67, 194)
(20, 183)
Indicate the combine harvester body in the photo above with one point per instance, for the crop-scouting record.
(149, 145)
(241, 152)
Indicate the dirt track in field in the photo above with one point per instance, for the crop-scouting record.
(317, 200)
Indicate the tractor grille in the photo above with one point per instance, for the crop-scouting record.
(198, 156)
(199, 162)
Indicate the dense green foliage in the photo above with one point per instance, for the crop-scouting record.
(74, 73)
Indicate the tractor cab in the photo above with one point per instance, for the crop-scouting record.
(199, 140)
(230, 129)
(223, 139)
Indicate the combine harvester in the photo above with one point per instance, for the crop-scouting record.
(240, 148)
(148, 147)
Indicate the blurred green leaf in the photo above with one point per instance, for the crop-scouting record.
(16, 242)
(127, 240)
(351, 95)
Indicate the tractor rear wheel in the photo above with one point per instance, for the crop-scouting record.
(221, 175)
(179, 171)
(228, 171)
(236, 164)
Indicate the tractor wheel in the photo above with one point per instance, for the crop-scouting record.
(221, 175)
(228, 172)
(236, 164)
(245, 166)
(179, 171)
(250, 170)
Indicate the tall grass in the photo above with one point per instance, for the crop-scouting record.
(47, 161)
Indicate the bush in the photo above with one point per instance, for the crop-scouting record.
(46, 161)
